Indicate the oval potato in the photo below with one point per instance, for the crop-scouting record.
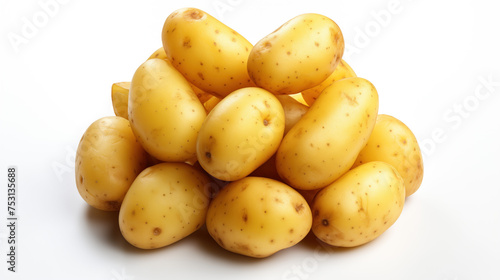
(325, 142)
(258, 217)
(211, 55)
(359, 206)
(240, 133)
(299, 55)
(164, 112)
(165, 203)
(342, 71)
(393, 142)
(108, 159)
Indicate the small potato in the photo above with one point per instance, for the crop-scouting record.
(393, 142)
(342, 71)
(293, 109)
(107, 160)
(208, 53)
(240, 133)
(258, 217)
(325, 142)
(299, 55)
(164, 112)
(119, 97)
(165, 203)
(359, 206)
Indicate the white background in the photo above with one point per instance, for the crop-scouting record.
(436, 66)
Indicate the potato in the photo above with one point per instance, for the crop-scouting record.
(393, 142)
(108, 159)
(119, 98)
(299, 55)
(165, 203)
(164, 112)
(325, 142)
(208, 53)
(293, 109)
(342, 71)
(359, 206)
(258, 217)
(240, 133)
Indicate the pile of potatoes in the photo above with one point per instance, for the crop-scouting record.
(262, 144)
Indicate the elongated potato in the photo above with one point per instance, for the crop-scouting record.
(165, 203)
(342, 71)
(299, 55)
(208, 53)
(119, 98)
(258, 217)
(164, 112)
(393, 142)
(240, 133)
(325, 142)
(359, 206)
(107, 161)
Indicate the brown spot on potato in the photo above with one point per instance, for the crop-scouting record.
(186, 43)
(299, 208)
(113, 205)
(156, 231)
(325, 222)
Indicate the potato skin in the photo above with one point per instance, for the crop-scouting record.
(108, 159)
(165, 203)
(208, 53)
(393, 142)
(240, 133)
(299, 55)
(164, 112)
(359, 206)
(325, 142)
(258, 217)
(342, 71)
(119, 98)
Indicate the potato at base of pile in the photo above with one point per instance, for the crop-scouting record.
(258, 217)
(166, 203)
(108, 159)
(359, 206)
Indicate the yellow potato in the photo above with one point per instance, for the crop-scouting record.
(299, 55)
(208, 53)
(119, 97)
(393, 142)
(107, 160)
(166, 203)
(293, 109)
(359, 206)
(325, 142)
(258, 217)
(164, 112)
(342, 71)
(240, 133)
